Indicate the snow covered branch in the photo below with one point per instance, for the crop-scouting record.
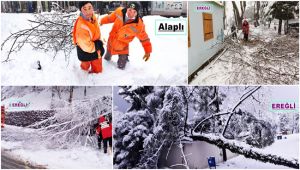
(48, 32)
(72, 125)
(249, 93)
(247, 151)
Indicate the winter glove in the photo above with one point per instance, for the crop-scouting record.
(99, 46)
(146, 56)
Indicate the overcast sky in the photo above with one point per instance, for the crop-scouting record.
(121, 104)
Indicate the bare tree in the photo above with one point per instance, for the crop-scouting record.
(256, 12)
(239, 15)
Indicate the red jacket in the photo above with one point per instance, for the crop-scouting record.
(106, 127)
(245, 27)
(98, 130)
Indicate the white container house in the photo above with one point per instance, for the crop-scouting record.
(206, 32)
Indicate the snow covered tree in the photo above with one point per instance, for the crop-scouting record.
(134, 126)
(129, 134)
(243, 126)
(284, 10)
(135, 96)
(71, 125)
(289, 122)
(261, 134)
(206, 101)
(167, 129)
(284, 122)
(155, 119)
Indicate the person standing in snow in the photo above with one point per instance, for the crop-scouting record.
(86, 37)
(106, 129)
(127, 25)
(245, 28)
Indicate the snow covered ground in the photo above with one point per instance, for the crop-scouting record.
(230, 68)
(166, 66)
(287, 148)
(19, 142)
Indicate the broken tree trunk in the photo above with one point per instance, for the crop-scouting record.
(248, 153)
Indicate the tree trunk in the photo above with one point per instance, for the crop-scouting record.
(58, 92)
(248, 153)
(71, 94)
(224, 154)
(287, 27)
(279, 26)
(257, 12)
(238, 16)
(84, 93)
(52, 92)
(185, 98)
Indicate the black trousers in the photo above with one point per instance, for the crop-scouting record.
(99, 141)
(246, 37)
(105, 141)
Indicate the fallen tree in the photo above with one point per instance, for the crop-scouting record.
(247, 151)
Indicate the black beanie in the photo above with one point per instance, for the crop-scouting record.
(82, 3)
(134, 5)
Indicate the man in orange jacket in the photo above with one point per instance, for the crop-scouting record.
(127, 25)
(86, 37)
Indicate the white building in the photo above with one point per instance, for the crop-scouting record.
(206, 33)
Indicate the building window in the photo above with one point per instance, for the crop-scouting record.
(208, 26)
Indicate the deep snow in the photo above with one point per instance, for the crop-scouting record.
(19, 142)
(287, 148)
(166, 66)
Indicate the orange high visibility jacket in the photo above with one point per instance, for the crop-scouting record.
(85, 33)
(123, 33)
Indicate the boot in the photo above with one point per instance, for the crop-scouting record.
(107, 56)
(123, 58)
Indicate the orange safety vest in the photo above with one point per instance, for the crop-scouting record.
(85, 33)
(123, 33)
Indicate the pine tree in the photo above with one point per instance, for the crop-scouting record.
(169, 128)
(134, 126)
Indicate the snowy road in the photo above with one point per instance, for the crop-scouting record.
(25, 145)
(9, 162)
